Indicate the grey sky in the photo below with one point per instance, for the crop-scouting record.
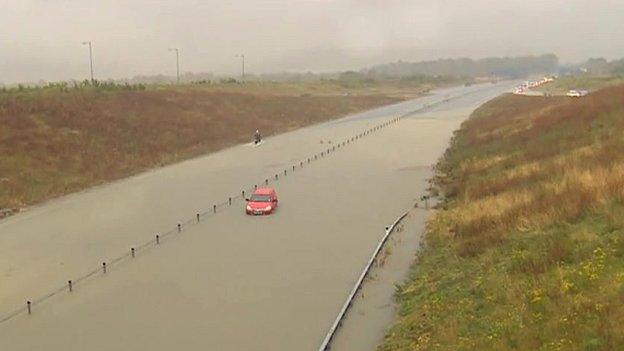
(41, 39)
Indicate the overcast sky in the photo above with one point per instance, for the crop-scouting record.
(41, 39)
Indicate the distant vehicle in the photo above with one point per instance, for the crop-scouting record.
(520, 91)
(577, 93)
(257, 137)
(263, 201)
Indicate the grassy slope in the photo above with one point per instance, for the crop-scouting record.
(527, 251)
(591, 83)
(394, 88)
(55, 141)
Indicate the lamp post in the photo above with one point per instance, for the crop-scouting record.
(177, 52)
(90, 58)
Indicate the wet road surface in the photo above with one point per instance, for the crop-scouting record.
(230, 282)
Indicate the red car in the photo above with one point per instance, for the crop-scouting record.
(263, 201)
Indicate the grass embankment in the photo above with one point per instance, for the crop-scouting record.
(58, 140)
(583, 82)
(527, 250)
(401, 88)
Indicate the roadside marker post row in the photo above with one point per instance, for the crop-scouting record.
(133, 251)
(70, 286)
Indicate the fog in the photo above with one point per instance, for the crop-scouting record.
(41, 39)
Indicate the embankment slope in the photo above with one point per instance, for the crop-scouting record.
(53, 142)
(526, 251)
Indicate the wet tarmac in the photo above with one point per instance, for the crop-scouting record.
(231, 281)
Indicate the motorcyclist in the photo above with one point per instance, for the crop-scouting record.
(257, 137)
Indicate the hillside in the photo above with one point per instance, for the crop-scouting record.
(526, 251)
(58, 140)
(580, 82)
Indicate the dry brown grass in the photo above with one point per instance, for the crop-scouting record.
(547, 160)
(53, 142)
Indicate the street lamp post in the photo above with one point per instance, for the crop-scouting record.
(177, 52)
(90, 58)
(242, 56)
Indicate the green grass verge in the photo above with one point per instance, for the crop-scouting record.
(527, 250)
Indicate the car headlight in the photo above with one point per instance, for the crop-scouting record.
(268, 208)
(249, 208)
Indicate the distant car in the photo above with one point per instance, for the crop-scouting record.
(577, 93)
(263, 201)
(520, 91)
(574, 93)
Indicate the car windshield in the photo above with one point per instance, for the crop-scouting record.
(260, 198)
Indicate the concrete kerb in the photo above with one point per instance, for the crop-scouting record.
(347, 304)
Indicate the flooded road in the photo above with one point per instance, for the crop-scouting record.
(231, 282)
(373, 309)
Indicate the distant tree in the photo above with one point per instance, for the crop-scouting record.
(465, 67)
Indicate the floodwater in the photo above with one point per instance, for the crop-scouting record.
(230, 282)
(373, 309)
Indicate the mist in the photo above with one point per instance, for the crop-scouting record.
(42, 39)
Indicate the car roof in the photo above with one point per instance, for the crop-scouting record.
(264, 191)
